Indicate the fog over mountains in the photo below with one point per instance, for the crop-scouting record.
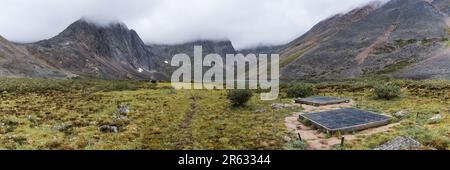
(246, 23)
(399, 38)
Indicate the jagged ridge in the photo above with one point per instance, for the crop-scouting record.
(112, 52)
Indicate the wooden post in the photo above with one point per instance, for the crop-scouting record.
(299, 137)
(342, 142)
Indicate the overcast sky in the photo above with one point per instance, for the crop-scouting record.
(246, 23)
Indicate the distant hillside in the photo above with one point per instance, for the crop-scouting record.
(111, 52)
(263, 50)
(16, 62)
(166, 52)
(402, 38)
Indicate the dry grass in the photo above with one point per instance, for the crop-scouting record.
(67, 114)
(160, 118)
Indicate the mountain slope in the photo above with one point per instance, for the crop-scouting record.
(16, 62)
(321, 32)
(111, 52)
(164, 53)
(375, 39)
(442, 5)
(167, 51)
(263, 50)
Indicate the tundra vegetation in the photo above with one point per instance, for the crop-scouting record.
(239, 97)
(387, 91)
(104, 114)
(299, 90)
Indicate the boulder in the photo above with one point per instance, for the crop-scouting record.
(401, 114)
(401, 143)
(260, 111)
(279, 106)
(108, 129)
(123, 109)
(436, 118)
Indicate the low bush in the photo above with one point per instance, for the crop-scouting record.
(297, 145)
(239, 97)
(35, 85)
(387, 91)
(434, 139)
(116, 86)
(300, 90)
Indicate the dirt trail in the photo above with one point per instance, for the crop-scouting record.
(319, 141)
(186, 138)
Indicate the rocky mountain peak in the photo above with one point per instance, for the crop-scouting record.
(86, 26)
(109, 51)
(84, 30)
(221, 47)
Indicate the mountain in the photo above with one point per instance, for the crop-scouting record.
(442, 5)
(166, 52)
(102, 51)
(15, 61)
(389, 38)
(263, 50)
(400, 38)
(209, 46)
(109, 51)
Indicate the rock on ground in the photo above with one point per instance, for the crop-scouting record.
(278, 106)
(401, 143)
(401, 114)
(108, 128)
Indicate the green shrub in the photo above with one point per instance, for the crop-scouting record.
(440, 143)
(239, 97)
(120, 86)
(35, 85)
(27, 85)
(297, 145)
(284, 86)
(434, 139)
(359, 86)
(300, 90)
(387, 91)
(152, 85)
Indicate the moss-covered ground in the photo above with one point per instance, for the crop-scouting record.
(68, 114)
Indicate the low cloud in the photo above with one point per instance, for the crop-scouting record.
(247, 23)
